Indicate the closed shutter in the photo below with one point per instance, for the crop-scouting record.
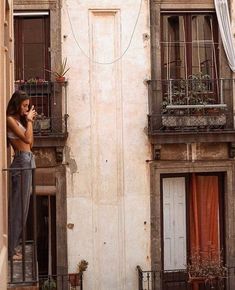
(174, 218)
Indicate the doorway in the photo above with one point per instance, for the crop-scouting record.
(46, 233)
(192, 223)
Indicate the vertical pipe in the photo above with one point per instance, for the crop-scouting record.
(34, 225)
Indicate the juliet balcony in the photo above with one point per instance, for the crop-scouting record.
(50, 101)
(192, 109)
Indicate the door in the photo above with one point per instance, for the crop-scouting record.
(174, 218)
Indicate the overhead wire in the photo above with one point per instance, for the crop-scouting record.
(116, 59)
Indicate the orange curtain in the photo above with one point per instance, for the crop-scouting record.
(204, 217)
(204, 214)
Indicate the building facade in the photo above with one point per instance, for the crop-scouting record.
(6, 86)
(135, 149)
(192, 175)
(108, 202)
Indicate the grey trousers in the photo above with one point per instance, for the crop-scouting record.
(19, 197)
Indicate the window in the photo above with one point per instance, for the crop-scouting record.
(32, 44)
(32, 58)
(189, 45)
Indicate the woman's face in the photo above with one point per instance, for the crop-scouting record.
(24, 107)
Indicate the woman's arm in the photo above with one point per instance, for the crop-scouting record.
(27, 136)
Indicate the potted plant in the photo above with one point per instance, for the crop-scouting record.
(49, 284)
(75, 278)
(42, 123)
(206, 268)
(60, 71)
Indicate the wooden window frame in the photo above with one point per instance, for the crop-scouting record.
(188, 34)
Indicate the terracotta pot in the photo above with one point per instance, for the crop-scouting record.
(74, 279)
(60, 79)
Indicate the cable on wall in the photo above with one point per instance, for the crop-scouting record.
(123, 53)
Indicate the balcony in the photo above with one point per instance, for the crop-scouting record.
(50, 101)
(179, 280)
(190, 110)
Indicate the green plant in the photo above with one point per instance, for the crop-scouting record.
(199, 89)
(61, 69)
(49, 284)
(82, 266)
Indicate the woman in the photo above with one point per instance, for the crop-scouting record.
(20, 118)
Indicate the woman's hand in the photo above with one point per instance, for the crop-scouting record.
(31, 114)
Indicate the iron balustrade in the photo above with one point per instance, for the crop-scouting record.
(61, 282)
(23, 271)
(50, 101)
(179, 280)
(190, 104)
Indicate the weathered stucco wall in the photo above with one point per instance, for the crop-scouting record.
(107, 176)
(194, 151)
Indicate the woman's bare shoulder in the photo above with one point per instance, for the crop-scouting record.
(12, 122)
(11, 118)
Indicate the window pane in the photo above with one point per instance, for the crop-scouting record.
(34, 60)
(202, 45)
(173, 47)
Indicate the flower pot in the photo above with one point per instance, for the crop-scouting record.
(60, 79)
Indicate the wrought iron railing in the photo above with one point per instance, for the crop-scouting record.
(50, 101)
(192, 104)
(179, 280)
(23, 270)
(61, 282)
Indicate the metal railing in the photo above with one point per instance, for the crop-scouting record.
(50, 101)
(61, 282)
(23, 270)
(189, 104)
(179, 280)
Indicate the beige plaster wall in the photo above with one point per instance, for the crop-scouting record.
(107, 176)
(5, 90)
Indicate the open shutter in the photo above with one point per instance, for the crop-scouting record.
(174, 217)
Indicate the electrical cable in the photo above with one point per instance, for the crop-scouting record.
(118, 58)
